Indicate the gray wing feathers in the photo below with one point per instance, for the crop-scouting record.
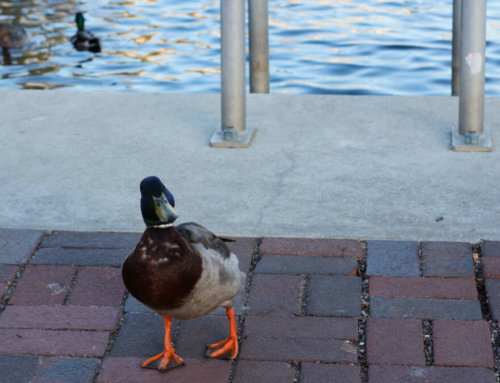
(195, 233)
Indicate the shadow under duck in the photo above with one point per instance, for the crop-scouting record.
(180, 272)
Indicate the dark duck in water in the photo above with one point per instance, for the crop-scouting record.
(84, 40)
(11, 37)
(180, 272)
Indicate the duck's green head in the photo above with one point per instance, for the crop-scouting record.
(80, 21)
(157, 203)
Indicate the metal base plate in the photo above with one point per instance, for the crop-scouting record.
(459, 145)
(234, 141)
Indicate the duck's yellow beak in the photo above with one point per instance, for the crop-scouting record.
(165, 212)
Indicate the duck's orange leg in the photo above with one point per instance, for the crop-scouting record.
(168, 353)
(229, 344)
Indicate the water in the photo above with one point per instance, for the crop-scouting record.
(384, 47)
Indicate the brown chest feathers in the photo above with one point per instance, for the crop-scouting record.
(162, 270)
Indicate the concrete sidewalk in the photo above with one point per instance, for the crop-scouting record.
(312, 310)
(321, 166)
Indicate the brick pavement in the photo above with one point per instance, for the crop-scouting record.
(312, 310)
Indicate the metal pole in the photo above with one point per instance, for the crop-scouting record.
(455, 47)
(232, 132)
(259, 46)
(471, 89)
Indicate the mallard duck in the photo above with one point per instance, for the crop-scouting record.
(84, 40)
(11, 37)
(180, 272)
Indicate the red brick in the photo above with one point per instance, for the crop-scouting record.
(98, 286)
(275, 294)
(395, 341)
(430, 287)
(60, 317)
(263, 371)
(43, 285)
(53, 342)
(302, 327)
(298, 264)
(462, 343)
(318, 372)
(431, 374)
(491, 267)
(298, 349)
(128, 370)
(310, 246)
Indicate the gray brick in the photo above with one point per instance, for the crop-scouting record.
(16, 246)
(17, 369)
(141, 335)
(302, 327)
(275, 294)
(128, 370)
(80, 257)
(295, 264)
(392, 258)
(447, 259)
(196, 334)
(490, 248)
(493, 291)
(132, 305)
(429, 374)
(334, 296)
(67, 370)
(84, 239)
(424, 308)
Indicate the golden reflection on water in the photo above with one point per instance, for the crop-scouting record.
(315, 45)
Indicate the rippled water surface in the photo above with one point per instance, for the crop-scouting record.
(397, 47)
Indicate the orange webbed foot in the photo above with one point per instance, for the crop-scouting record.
(229, 344)
(168, 355)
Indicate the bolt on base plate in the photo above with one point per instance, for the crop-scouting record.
(471, 142)
(230, 138)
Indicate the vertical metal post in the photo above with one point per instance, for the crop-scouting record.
(455, 47)
(471, 135)
(233, 132)
(258, 26)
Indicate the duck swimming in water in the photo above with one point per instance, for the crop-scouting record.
(180, 272)
(84, 40)
(11, 36)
